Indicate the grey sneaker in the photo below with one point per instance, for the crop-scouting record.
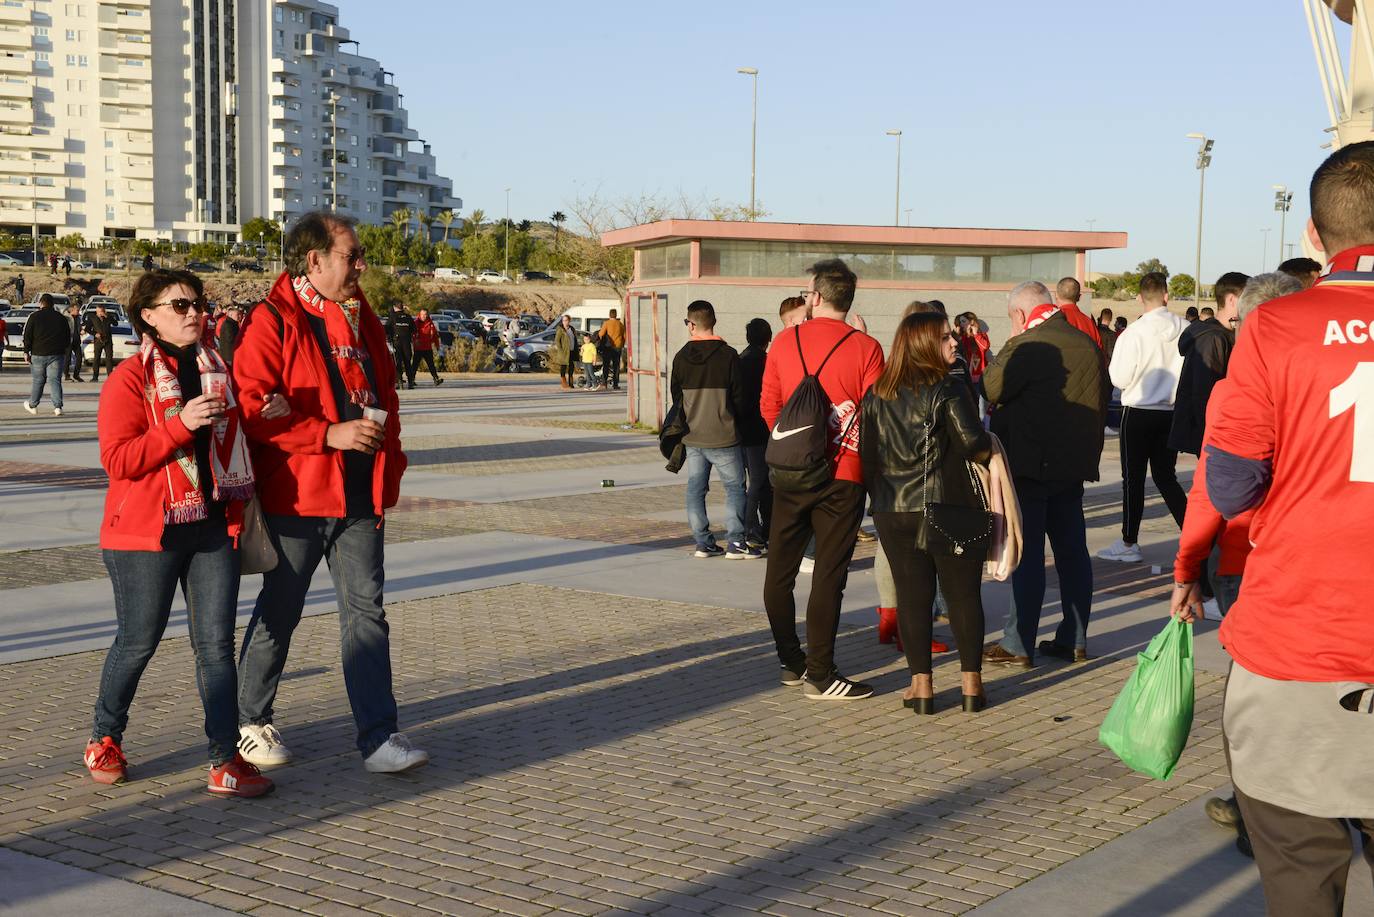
(396, 756)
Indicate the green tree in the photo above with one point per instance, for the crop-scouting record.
(400, 218)
(383, 290)
(480, 252)
(1182, 286)
(558, 219)
(1154, 264)
(262, 231)
(473, 224)
(445, 219)
(524, 226)
(425, 222)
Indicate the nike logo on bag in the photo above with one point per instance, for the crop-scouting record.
(779, 434)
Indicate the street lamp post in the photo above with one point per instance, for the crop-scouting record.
(897, 207)
(753, 137)
(507, 270)
(334, 151)
(1204, 159)
(1088, 258)
(1283, 200)
(1264, 258)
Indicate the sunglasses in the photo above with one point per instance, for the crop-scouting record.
(181, 306)
(357, 256)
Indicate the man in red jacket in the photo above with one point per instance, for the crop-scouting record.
(833, 511)
(326, 472)
(1067, 292)
(1291, 439)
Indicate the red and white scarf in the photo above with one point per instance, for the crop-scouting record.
(341, 325)
(1041, 314)
(230, 466)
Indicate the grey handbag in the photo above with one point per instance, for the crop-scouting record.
(256, 554)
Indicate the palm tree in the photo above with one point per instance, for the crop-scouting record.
(473, 224)
(400, 218)
(445, 219)
(425, 221)
(558, 219)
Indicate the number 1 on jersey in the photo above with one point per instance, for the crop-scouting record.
(1357, 392)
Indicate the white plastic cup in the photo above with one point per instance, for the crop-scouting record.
(376, 415)
(215, 385)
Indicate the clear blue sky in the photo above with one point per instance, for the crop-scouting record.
(1023, 115)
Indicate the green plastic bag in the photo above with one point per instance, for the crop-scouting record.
(1148, 725)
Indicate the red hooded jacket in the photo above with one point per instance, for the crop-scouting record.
(426, 335)
(297, 474)
(133, 452)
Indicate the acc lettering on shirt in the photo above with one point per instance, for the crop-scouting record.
(1356, 331)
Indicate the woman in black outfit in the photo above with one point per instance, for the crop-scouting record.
(904, 473)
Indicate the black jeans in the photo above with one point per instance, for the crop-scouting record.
(914, 573)
(353, 549)
(1053, 510)
(104, 352)
(1145, 440)
(428, 357)
(758, 496)
(610, 368)
(832, 513)
(404, 361)
(74, 362)
(1303, 860)
(201, 558)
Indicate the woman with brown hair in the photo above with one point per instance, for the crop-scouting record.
(919, 429)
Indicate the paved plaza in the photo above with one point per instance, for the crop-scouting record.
(607, 728)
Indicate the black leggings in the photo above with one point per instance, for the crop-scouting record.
(914, 572)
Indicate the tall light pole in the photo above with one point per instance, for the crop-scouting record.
(897, 207)
(1264, 259)
(753, 137)
(334, 154)
(907, 211)
(1088, 258)
(1283, 200)
(1204, 159)
(507, 270)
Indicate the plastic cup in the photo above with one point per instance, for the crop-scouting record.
(215, 385)
(376, 415)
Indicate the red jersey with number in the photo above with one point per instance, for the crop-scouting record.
(1299, 398)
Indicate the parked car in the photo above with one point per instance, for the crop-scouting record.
(489, 318)
(125, 344)
(591, 314)
(60, 301)
(454, 314)
(532, 352)
(5, 307)
(250, 266)
(201, 267)
(407, 272)
(10, 261)
(449, 273)
(492, 277)
(14, 333)
(111, 308)
(536, 275)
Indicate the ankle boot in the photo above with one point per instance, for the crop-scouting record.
(887, 626)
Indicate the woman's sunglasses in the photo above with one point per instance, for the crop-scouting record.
(182, 306)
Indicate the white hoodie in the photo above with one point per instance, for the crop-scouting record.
(1146, 361)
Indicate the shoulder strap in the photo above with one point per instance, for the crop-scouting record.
(852, 332)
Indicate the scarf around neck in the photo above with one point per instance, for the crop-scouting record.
(231, 469)
(342, 325)
(1041, 314)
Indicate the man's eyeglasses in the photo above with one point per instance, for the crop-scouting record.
(805, 293)
(181, 306)
(358, 255)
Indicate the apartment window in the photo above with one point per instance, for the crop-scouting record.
(110, 212)
(37, 55)
(71, 35)
(280, 35)
(109, 191)
(109, 142)
(297, 16)
(41, 31)
(298, 41)
(109, 163)
(71, 60)
(353, 139)
(277, 14)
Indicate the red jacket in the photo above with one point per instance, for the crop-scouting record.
(1204, 526)
(133, 452)
(846, 378)
(297, 474)
(1081, 321)
(426, 335)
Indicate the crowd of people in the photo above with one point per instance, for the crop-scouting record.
(969, 461)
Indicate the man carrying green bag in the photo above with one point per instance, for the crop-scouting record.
(1148, 725)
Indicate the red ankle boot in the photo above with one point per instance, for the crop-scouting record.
(887, 625)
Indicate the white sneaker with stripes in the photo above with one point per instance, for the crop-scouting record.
(837, 688)
(262, 746)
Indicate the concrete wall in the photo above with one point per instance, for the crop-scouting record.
(736, 304)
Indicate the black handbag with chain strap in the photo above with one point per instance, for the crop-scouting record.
(950, 528)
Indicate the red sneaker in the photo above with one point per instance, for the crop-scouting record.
(937, 646)
(105, 761)
(237, 777)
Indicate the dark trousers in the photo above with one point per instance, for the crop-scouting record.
(1303, 860)
(566, 372)
(1054, 511)
(201, 558)
(1145, 441)
(353, 549)
(610, 367)
(405, 362)
(758, 495)
(74, 362)
(914, 573)
(428, 357)
(104, 352)
(832, 513)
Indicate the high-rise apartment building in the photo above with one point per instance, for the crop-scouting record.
(183, 119)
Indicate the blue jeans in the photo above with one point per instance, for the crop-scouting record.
(1225, 589)
(1053, 510)
(730, 466)
(49, 370)
(201, 558)
(353, 549)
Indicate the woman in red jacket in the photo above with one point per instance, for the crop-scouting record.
(179, 470)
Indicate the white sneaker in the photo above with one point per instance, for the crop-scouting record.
(57, 412)
(262, 746)
(808, 566)
(395, 756)
(1122, 553)
(32, 409)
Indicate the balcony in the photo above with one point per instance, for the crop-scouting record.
(16, 89)
(16, 114)
(136, 194)
(10, 63)
(125, 118)
(139, 144)
(53, 192)
(11, 37)
(15, 12)
(47, 167)
(140, 168)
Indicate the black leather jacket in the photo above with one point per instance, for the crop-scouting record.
(892, 447)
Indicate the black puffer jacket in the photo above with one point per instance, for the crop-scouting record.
(893, 446)
(1206, 348)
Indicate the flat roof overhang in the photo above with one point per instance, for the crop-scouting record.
(662, 231)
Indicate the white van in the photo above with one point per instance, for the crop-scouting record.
(591, 314)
